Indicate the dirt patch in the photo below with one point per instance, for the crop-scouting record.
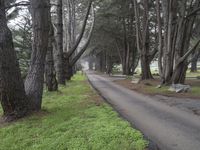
(2, 123)
(194, 82)
(138, 87)
(39, 114)
(149, 87)
(95, 98)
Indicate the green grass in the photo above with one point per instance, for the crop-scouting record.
(193, 74)
(155, 71)
(165, 90)
(71, 120)
(154, 90)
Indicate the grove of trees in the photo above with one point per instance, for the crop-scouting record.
(147, 30)
(43, 48)
(52, 36)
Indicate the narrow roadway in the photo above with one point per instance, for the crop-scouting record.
(169, 127)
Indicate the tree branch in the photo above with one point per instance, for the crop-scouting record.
(194, 57)
(82, 30)
(187, 54)
(194, 12)
(83, 49)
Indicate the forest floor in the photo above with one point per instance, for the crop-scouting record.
(73, 118)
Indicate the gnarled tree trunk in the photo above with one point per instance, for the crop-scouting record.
(12, 94)
(174, 49)
(142, 36)
(35, 78)
(71, 55)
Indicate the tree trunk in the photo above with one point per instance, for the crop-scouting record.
(58, 52)
(71, 25)
(68, 67)
(143, 39)
(180, 73)
(35, 78)
(90, 62)
(146, 71)
(74, 60)
(12, 94)
(97, 63)
(160, 41)
(177, 35)
(125, 51)
(194, 66)
(194, 62)
(50, 74)
(102, 62)
(109, 64)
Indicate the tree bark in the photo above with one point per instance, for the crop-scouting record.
(143, 39)
(109, 63)
(71, 25)
(182, 52)
(50, 74)
(194, 62)
(12, 94)
(75, 46)
(97, 63)
(160, 41)
(103, 62)
(90, 61)
(68, 67)
(174, 51)
(71, 56)
(35, 78)
(82, 49)
(58, 52)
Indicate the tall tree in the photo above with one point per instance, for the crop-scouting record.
(12, 93)
(143, 38)
(50, 73)
(70, 56)
(178, 18)
(58, 52)
(34, 81)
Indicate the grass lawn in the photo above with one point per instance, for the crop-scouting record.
(193, 74)
(75, 118)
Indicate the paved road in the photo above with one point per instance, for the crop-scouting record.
(169, 127)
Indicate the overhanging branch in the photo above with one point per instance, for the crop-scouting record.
(83, 49)
(187, 54)
(82, 30)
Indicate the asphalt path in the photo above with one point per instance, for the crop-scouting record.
(169, 127)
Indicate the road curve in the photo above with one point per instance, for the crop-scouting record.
(169, 127)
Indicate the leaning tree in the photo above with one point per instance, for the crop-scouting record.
(12, 93)
(35, 79)
(178, 19)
